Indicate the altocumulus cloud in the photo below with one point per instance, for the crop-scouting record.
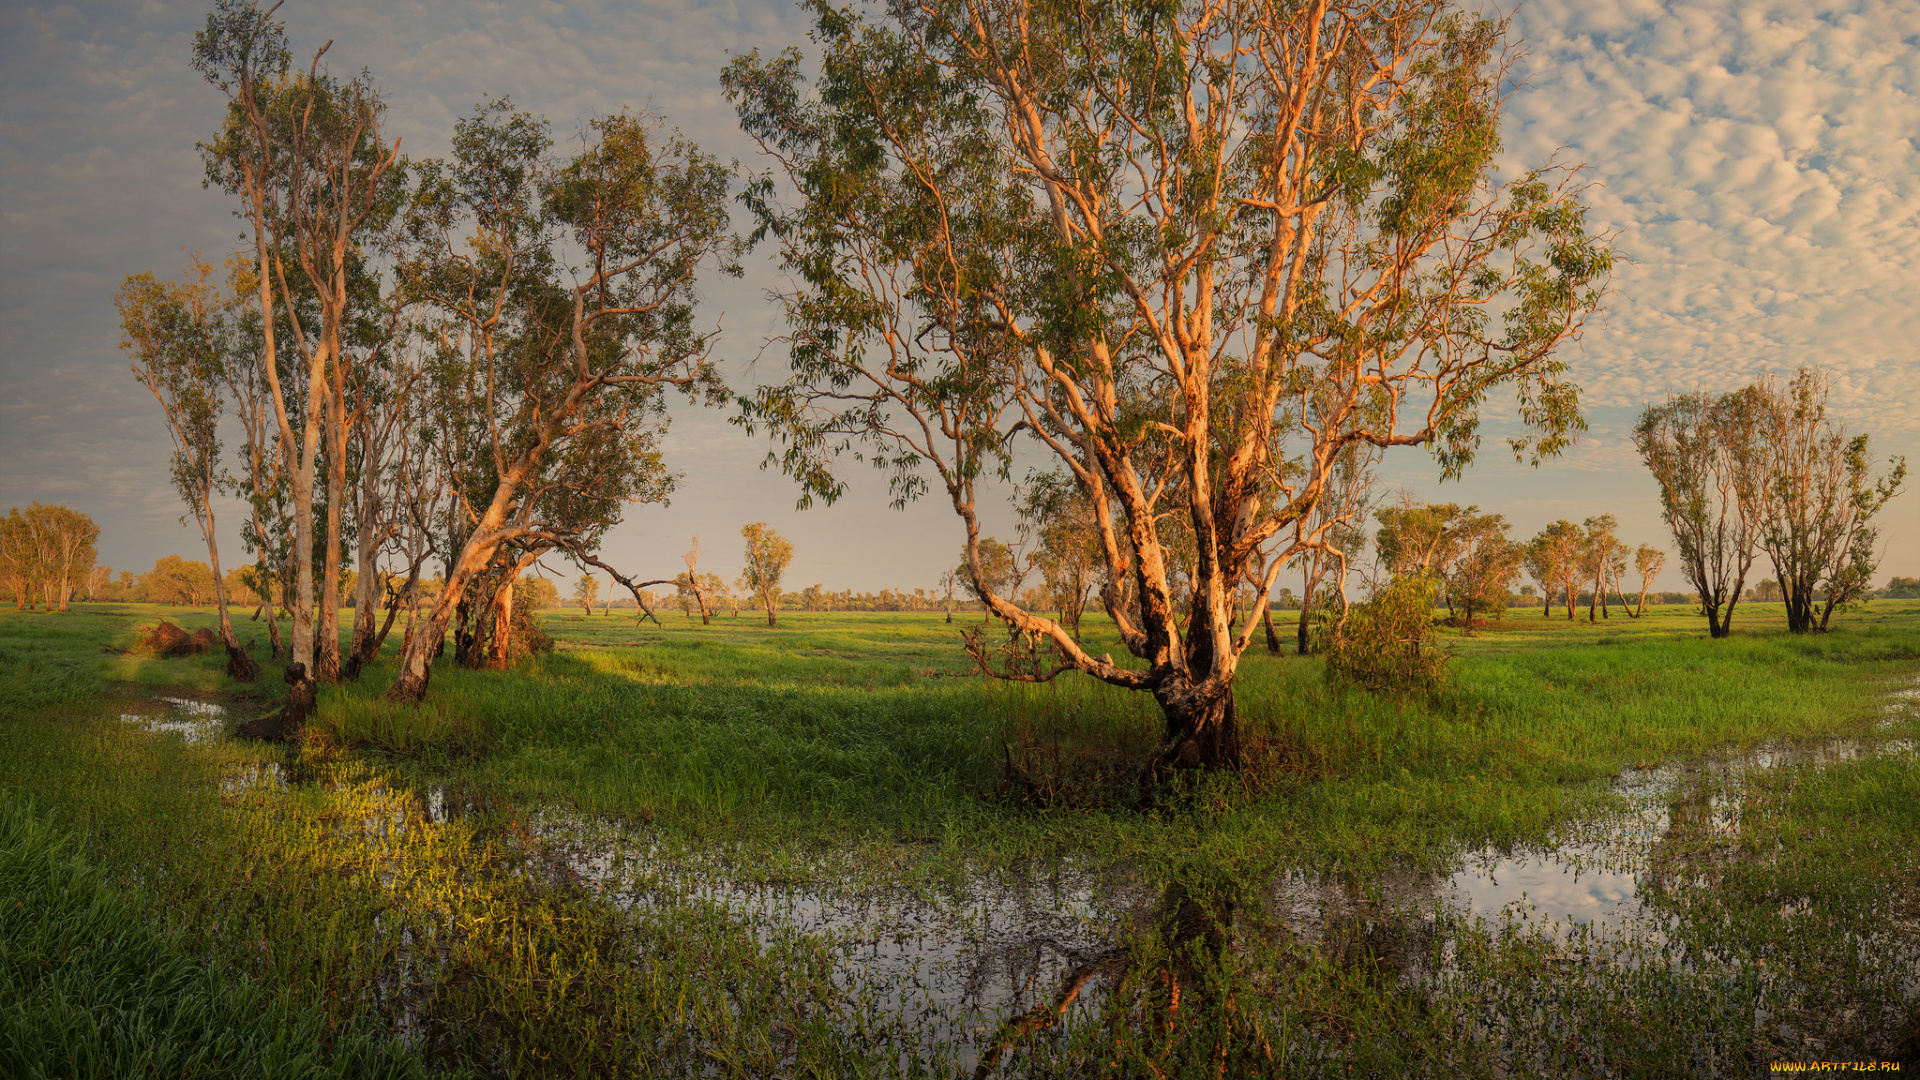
(1758, 165)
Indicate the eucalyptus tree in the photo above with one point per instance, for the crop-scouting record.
(394, 476)
(1601, 559)
(1820, 498)
(1142, 232)
(306, 155)
(553, 376)
(45, 552)
(264, 464)
(1648, 560)
(1704, 453)
(586, 591)
(180, 342)
(1421, 538)
(768, 554)
(1486, 566)
(692, 582)
(1550, 557)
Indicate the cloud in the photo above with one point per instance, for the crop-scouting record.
(1758, 165)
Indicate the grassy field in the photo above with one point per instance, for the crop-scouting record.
(860, 749)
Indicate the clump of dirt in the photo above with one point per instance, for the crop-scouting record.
(168, 641)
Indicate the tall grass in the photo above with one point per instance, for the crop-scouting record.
(88, 987)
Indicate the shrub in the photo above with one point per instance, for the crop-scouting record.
(1385, 644)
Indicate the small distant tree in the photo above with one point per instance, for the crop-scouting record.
(1902, 588)
(97, 579)
(1601, 556)
(768, 556)
(1416, 538)
(692, 583)
(1550, 557)
(1648, 560)
(46, 554)
(19, 559)
(998, 571)
(1057, 513)
(585, 592)
(1820, 500)
(949, 581)
(1485, 566)
(1702, 453)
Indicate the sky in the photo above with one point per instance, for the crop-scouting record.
(1757, 164)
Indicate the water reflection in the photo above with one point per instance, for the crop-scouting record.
(1001, 957)
(192, 720)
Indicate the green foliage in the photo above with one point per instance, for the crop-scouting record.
(997, 570)
(1386, 644)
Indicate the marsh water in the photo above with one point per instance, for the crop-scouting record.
(955, 960)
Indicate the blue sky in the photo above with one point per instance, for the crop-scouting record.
(1759, 165)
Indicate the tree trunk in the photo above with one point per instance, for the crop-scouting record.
(260, 576)
(1273, 639)
(239, 664)
(1201, 733)
(393, 612)
(301, 610)
(1717, 626)
(501, 654)
(364, 642)
(768, 601)
(327, 656)
(1302, 644)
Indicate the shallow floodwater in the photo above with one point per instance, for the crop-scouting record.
(959, 959)
(193, 720)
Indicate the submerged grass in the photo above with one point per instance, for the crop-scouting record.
(865, 741)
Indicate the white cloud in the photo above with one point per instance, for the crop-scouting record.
(1759, 166)
(1760, 172)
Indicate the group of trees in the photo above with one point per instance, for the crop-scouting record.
(1764, 470)
(1209, 263)
(457, 361)
(47, 555)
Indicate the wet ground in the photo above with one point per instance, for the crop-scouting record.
(954, 963)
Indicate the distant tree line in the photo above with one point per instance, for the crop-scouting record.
(46, 555)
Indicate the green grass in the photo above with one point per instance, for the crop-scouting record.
(864, 741)
(868, 728)
(89, 988)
